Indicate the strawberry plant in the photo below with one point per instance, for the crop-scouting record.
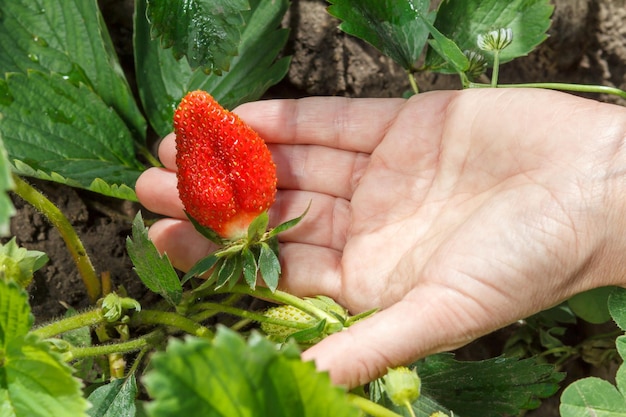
(68, 115)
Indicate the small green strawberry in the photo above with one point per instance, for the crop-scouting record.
(291, 314)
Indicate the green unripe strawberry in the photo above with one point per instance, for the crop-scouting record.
(402, 385)
(286, 313)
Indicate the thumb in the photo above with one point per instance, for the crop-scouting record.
(398, 335)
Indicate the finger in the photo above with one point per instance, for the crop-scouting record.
(353, 125)
(312, 168)
(167, 152)
(309, 270)
(180, 241)
(320, 169)
(156, 190)
(325, 224)
(392, 337)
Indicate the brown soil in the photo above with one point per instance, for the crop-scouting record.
(587, 45)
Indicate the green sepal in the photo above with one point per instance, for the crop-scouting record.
(201, 267)
(288, 224)
(311, 334)
(353, 319)
(250, 267)
(230, 271)
(206, 231)
(258, 226)
(269, 265)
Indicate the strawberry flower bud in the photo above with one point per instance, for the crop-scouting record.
(226, 176)
(402, 385)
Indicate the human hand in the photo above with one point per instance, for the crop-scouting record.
(456, 213)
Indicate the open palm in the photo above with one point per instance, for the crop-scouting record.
(454, 212)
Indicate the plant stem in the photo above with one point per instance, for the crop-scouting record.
(413, 82)
(131, 345)
(89, 318)
(370, 408)
(282, 297)
(408, 406)
(63, 225)
(171, 319)
(260, 318)
(496, 68)
(149, 157)
(580, 88)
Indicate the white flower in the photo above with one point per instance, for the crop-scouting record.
(477, 63)
(496, 40)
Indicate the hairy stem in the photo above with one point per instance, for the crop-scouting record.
(170, 319)
(88, 318)
(63, 225)
(124, 347)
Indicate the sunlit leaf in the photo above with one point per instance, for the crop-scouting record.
(57, 131)
(229, 377)
(206, 32)
(34, 381)
(115, 399)
(163, 81)
(68, 37)
(392, 26)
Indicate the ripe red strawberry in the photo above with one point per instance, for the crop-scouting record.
(226, 176)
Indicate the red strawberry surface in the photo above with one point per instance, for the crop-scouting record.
(226, 176)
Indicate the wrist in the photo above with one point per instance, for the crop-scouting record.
(613, 252)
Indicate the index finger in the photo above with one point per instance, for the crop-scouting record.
(356, 125)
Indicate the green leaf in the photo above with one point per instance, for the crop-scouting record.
(592, 305)
(154, 270)
(617, 306)
(7, 210)
(18, 264)
(34, 381)
(115, 399)
(446, 48)
(206, 32)
(594, 397)
(58, 131)
(229, 377)
(68, 37)
(392, 26)
(163, 81)
(492, 387)
(15, 317)
(269, 265)
(463, 20)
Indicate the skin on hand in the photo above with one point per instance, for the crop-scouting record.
(455, 212)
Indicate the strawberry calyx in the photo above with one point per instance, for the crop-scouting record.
(254, 254)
